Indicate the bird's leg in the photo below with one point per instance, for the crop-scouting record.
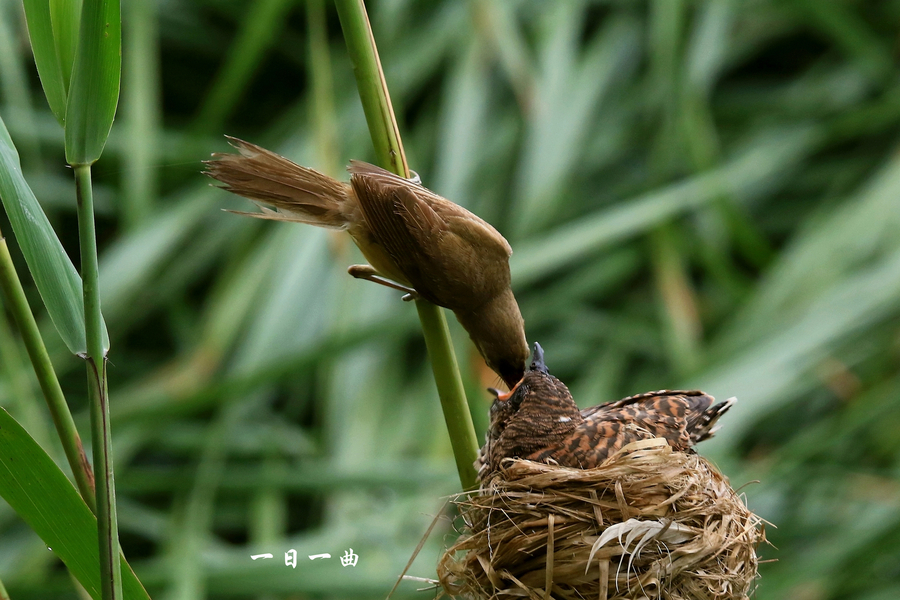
(369, 273)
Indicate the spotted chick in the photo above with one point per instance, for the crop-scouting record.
(539, 420)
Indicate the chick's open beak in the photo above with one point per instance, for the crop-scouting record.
(504, 396)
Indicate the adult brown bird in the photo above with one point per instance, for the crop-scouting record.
(538, 420)
(414, 240)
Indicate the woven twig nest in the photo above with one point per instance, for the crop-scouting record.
(649, 523)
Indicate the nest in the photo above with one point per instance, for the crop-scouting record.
(650, 523)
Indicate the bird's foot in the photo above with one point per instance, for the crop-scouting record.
(369, 273)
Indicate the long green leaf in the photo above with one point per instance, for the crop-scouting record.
(94, 92)
(55, 276)
(39, 492)
(54, 75)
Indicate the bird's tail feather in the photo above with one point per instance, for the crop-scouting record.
(704, 427)
(272, 181)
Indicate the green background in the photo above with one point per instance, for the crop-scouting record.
(698, 194)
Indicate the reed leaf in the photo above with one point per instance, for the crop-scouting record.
(94, 90)
(53, 272)
(32, 484)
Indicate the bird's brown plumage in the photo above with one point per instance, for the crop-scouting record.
(540, 421)
(409, 234)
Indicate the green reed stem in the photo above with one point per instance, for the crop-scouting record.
(376, 101)
(110, 566)
(373, 91)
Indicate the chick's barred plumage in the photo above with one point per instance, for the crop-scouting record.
(538, 420)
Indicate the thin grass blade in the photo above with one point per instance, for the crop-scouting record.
(142, 108)
(259, 30)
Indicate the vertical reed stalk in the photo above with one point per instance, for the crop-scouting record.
(110, 568)
(376, 101)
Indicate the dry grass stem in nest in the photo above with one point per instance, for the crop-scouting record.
(649, 523)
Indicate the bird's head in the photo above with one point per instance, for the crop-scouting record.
(535, 373)
(498, 331)
(537, 388)
(537, 412)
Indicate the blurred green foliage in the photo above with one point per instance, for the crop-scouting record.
(701, 194)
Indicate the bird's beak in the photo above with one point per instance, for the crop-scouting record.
(503, 397)
(537, 362)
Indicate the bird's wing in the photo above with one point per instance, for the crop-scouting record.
(692, 398)
(429, 237)
(381, 197)
(593, 442)
(681, 417)
(664, 413)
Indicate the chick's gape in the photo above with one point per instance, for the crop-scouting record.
(414, 240)
(538, 420)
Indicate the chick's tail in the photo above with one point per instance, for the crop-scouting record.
(283, 189)
(702, 426)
